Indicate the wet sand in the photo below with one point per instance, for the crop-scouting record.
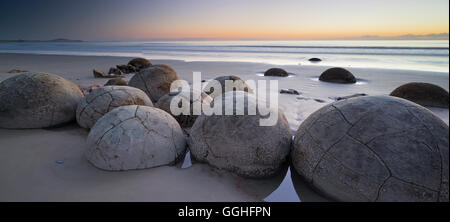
(48, 164)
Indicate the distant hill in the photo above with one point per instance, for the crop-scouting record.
(53, 40)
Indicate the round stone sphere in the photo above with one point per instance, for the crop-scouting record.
(425, 94)
(140, 63)
(190, 98)
(135, 137)
(276, 72)
(155, 81)
(374, 148)
(102, 100)
(238, 143)
(240, 85)
(337, 75)
(37, 100)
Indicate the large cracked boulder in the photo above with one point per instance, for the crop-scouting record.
(374, 149)
(237, 84)
(37, 100)
(193, 99)
(135, 137)
(238, 143)
(337, 75)
(102, 100)
(425, 94)
(155, 81)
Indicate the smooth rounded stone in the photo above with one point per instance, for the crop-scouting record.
(135, 137)
(315, 60)
(240, 85)
(189, 97)
(425, 94)
(374, 149)
(337, 75)
(276, 72)
(37, 100)
(238, 143)
(116, 82)
(102, 100)
(140, 63)
(155, 81)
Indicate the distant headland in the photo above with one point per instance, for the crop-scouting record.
(52, 40)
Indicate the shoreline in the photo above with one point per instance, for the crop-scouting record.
(53, 159)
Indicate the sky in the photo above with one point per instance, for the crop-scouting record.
(222, 19)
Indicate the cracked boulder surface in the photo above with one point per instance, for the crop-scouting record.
(37, 100)
(192, 98)
(237, 83)
(135, 137)
(102, 100)
(238, 143)
(155, 81)
(374, 148)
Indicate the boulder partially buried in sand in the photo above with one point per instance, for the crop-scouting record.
(140, 63)
(425, 94)
(102, 100)
(135, 137)
(37, 100)
(235, 84)
(374, 149)
(337, 75)
(276, 72)
(238, 143)
(155, 81)
(189, 98)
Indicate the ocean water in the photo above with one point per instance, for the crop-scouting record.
(424, 55)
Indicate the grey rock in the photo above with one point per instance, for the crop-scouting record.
(102, 100)
(337, 75)
(276, 72)
(348, 97)
(140, 63)
(135, 137)
(37, 100)
(190, 97)
(238, 143)
(315, 60)
(116, 82)
(115, 71)
(289, 91)
(99, 73)
(155, 81)
(127, 68)
(425, 94)
(240, 84)
(374, 149)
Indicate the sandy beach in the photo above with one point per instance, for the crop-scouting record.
(48, 164)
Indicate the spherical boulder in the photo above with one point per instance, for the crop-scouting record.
(140, 63)
(190, 97)
(337, 75)
(276, 72)
(155, 81)
(425, 94)
(238, 143)
(164, 66)
(37, 100)
(135, 137)
(374, 148)
(102, 100)
(116, 82)
(237, 83)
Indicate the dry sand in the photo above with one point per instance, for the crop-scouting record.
(48, 164)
